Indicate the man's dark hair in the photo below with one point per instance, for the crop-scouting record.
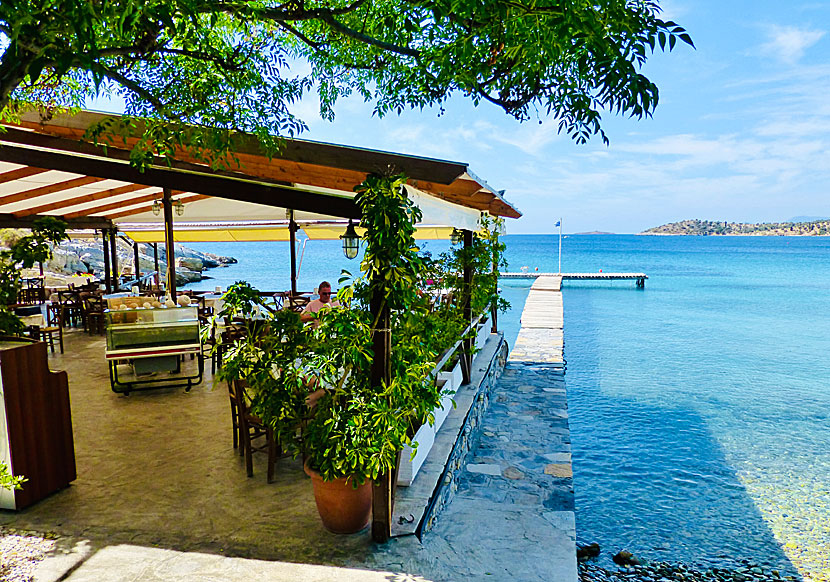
(324, 284)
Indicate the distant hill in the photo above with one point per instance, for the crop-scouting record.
(714, 228)
(594, 232)
(808, 218)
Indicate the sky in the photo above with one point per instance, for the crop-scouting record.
(741, 133)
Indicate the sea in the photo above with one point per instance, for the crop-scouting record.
(699, 406)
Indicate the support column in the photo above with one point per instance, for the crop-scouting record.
(381, 372)
(156, 261)
(494, 311)
(167, 204)
(467, 304)
(292, 237)
(136, 264)
(106, 247)
(114, 259)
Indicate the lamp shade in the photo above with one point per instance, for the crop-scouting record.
(351, 241)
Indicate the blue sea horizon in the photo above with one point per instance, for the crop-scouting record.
(698, 406)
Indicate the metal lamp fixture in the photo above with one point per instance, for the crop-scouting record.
(179, 206)
(351, 241)
(156, 207)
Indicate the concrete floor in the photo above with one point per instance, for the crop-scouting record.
(157, 468)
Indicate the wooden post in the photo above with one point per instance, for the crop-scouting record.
(167, 204)
(156, 260)
(114, 259)
(105, 244)
(292, 238)
(467, 304)
(381, 372)
(494, 311)
(136, 264)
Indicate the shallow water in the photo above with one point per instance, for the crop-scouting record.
(699, 406)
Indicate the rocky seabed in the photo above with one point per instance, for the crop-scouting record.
(667, 572)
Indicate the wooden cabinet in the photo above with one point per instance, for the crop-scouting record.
(35, 423)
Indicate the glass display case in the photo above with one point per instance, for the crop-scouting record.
(128, 329)
(146, 347)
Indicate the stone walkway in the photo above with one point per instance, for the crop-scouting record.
(513, 515)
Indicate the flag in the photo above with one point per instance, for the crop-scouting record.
(557, 223)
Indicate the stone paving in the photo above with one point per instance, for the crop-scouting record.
(512, 517)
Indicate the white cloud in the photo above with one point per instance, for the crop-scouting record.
(789, 43)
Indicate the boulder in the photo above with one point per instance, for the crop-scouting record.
(190, 263)
(588, 552)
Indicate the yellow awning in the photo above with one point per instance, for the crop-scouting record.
(241, 232)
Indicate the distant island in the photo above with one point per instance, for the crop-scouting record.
(716, 228)
(594, 232)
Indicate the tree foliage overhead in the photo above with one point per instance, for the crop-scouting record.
(228, 63)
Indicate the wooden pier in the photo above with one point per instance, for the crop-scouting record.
(640, 278)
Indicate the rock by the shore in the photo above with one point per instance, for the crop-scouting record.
(87, 256)
(588, 552)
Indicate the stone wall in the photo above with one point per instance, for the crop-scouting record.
(486, 374)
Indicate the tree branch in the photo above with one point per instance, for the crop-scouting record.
(343, 29)
(137, 89)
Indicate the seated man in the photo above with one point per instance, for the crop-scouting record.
(324, 302)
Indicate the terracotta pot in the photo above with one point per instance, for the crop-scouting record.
(342, 508)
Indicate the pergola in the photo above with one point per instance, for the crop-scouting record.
(47, 169)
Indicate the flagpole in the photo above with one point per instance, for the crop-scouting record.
(560, 246)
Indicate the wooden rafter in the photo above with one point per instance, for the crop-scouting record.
(104, 208)
(20, 173)
(143, 209)
(50, 189)
(80, 200)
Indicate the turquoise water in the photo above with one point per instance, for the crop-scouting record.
(699, 406)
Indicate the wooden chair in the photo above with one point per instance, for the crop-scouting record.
(93, 313)
(251, 428)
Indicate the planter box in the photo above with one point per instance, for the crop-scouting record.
(408, 468)
(442, 412)
(454, 378)
(483, 334)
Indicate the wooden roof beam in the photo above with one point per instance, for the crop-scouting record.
(49, 189)
(80, 200)
(11, 221)
(20, 173)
